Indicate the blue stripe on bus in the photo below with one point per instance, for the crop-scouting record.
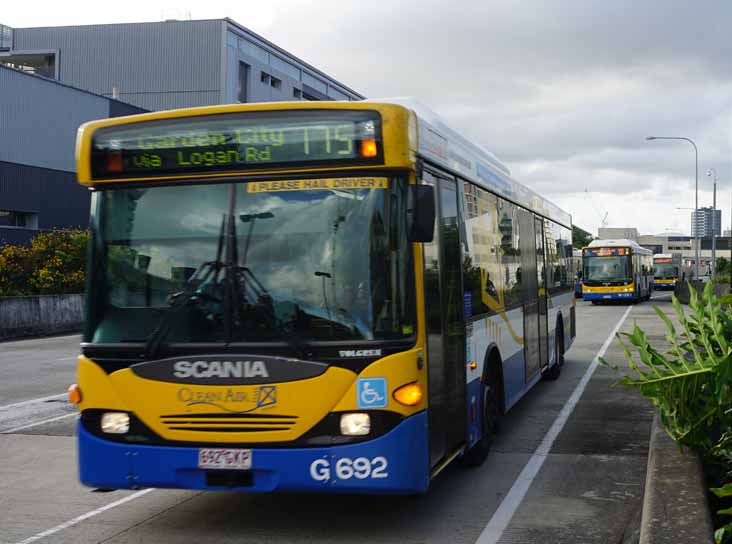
(397, 463)
(608, 296)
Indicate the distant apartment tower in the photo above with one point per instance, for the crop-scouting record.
(170, 64)
(615, 233)
(705, 222)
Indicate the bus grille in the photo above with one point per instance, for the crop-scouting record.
(228, 423)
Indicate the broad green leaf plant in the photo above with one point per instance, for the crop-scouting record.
(690, 383)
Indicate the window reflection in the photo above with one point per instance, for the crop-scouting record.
(324, 264)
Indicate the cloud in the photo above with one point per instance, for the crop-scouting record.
(564, 92)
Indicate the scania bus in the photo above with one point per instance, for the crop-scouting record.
(666, 270)
(335, 297)
(616, 270)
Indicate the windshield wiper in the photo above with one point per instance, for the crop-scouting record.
(182, 299)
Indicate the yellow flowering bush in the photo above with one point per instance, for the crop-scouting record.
(53, 264)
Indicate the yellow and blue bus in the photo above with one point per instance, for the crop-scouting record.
(666, 268)
(333, 297)
(616, 270)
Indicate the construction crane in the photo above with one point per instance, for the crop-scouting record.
(603, 218)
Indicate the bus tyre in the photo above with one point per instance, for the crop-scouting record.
(553, 372)
(477, 454)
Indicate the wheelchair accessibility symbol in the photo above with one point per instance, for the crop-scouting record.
(371, 393)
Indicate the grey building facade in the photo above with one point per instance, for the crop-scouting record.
(172, 64)
(38, 189)
(706, 222)
(97, 71)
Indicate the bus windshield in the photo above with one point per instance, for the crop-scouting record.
(606, 269)
(318, 259)
(664, 271)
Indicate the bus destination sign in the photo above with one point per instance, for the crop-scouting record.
(606, 251)
(237, 142)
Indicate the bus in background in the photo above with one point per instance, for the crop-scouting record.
(666, 270)
(616, 270)
(331, 297)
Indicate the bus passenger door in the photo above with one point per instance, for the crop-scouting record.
(543, 294)
(532, 352)
(445, 324)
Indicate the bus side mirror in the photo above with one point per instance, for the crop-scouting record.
(421, 213)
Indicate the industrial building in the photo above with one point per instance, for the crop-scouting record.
(52, 79)
(171, 64)
(38, 189)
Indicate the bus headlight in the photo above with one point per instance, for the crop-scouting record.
(115, 422)
(358, 424)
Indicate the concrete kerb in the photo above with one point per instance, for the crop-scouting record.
(675, 506)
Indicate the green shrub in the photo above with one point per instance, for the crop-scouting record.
(691, 384)
(54, 263)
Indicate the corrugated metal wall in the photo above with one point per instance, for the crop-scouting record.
(40, 118)
(55, 196)
(155, 65)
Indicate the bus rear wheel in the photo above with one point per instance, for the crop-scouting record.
(478, 453)
(552, 373)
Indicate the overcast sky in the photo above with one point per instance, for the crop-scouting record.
(564, 92)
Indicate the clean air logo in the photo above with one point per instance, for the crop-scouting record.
(220, 369)
(360, 353)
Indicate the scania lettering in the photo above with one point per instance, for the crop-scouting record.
(339, 297)
(220, 369)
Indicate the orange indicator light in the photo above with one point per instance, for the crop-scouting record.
(409, 394)
(114, 162)
(473, 365)
(368, 148)
(74, 394)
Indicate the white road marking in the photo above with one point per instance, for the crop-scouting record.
(34, 401)
(82, 517)
(502, 516)
(37, 423)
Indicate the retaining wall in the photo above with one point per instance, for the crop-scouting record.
(40, 315)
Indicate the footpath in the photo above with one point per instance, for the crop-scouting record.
(591, 486)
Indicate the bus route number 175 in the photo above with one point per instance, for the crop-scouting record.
(345, 468)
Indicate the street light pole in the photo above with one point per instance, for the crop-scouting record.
(714, 222)
(696, 194)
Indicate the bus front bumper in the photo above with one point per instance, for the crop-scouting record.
(659, 285)
(607, 296)
(396, 462)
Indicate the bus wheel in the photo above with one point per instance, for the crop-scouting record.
(476, 455)
(560, 346)
(553, 372)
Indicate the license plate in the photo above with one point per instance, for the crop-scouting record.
(606, 296)
(224, 459)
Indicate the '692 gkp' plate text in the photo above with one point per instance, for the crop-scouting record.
(224, 459)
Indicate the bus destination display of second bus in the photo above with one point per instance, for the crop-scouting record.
(235, 142)
(606, 251)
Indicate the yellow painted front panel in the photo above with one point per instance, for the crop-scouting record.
(398, 369)
(307, 400)
(609, 289)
